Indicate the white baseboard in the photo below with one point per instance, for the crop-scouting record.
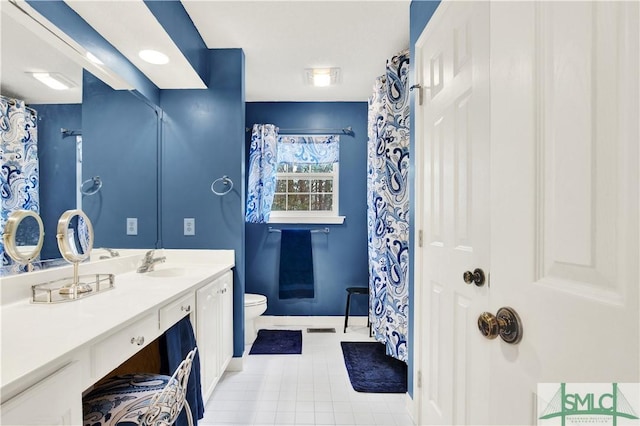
(236, 363)
(309, 321)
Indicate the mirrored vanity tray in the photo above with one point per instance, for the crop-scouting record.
(64, 290)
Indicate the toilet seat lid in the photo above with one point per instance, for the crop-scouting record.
(254, 299)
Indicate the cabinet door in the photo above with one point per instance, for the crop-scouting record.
(57, 400)
(208, 308)
(227, 321)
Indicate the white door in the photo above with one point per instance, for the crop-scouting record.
(453, 135)
(564, 197)
(564, 216)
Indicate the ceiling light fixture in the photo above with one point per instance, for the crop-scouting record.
(54, 80)
(322, 77)
(153, 57)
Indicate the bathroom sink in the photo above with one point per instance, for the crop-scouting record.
(167, 272)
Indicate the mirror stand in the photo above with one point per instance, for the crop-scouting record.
(75, 241)
(23, 237)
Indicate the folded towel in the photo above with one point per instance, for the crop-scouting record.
(296, 264)
(177, 342)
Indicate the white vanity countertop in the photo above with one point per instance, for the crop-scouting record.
(34, 336)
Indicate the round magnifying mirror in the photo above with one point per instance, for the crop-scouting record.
(23, 236)
(75, 236)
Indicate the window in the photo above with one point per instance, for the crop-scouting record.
(306, 191)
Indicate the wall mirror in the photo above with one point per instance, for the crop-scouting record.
(107, 115)
(23, 236)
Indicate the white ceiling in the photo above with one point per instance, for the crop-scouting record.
(280, 39)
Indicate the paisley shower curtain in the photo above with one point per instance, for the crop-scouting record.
(263, 164)
(388, 207)
(19, 177)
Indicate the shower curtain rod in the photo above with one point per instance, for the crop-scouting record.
(14, 101)
(70, 132)
(344, 131)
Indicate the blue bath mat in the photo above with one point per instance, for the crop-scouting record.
(277, 342)
(371, 370)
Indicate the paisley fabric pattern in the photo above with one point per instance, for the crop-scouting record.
(262, 173)
(308, 149)
(388, 207)
(19, 176)
(123, 399)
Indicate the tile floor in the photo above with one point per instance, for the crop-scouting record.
(308, 389)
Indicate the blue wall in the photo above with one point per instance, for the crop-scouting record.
(420, 14)
(340, 257)
(57, 155)
(203, 139)
(120, 144)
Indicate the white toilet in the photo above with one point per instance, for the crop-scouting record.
(254, 306)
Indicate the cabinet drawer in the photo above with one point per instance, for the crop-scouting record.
(113, 350)
(174, 311)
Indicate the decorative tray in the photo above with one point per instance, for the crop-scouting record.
(68, 289)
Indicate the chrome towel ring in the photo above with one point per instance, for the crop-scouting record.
(228, 183)
(96, 185)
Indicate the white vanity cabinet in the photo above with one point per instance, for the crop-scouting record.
(58, 351)
(52, 401)
(214, 330)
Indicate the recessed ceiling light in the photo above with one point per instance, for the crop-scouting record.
(54, 80)
(153, 57)
(322, 77)
(93, 58)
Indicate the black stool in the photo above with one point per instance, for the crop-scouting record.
(350, 291)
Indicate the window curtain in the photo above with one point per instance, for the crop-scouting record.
(262, 172)
(19, 176)
(388, 207)
(309, 149)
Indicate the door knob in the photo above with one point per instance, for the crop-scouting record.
(477, 277)
(505, 323)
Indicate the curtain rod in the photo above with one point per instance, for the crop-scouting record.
(70, 132)
(14, 101)
(344, 131)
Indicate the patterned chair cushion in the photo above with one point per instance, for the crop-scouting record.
(122, 400)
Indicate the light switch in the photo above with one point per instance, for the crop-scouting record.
(189, 226)
(132, 226)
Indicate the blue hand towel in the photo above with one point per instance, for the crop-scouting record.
(296, 264)
(178, 341)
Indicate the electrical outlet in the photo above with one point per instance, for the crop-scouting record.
(189, 226)
(132, 226)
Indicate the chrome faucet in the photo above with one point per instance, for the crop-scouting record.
(148, 262)
(112, 253)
